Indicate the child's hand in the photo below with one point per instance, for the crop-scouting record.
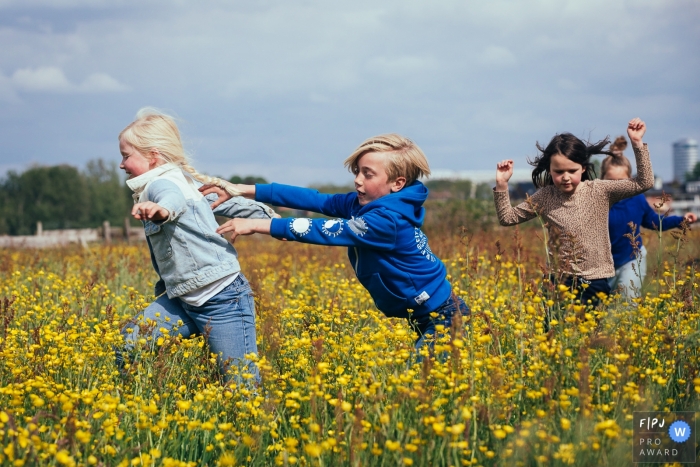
(691, 217)
(220, 192)
(241, 226)
(504, 170)
(635, 130)
(247, 191)
(149, 211)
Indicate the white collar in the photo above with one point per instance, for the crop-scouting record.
(138, 184)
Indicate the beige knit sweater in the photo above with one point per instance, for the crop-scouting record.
(578, 223)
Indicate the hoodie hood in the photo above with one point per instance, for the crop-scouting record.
(408, 202)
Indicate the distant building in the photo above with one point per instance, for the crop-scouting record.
(685, 156)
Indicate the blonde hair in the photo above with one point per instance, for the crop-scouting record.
(402, 157)
(617, 159)
(619, 145)
(155, 130)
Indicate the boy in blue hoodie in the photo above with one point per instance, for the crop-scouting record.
(379, 223)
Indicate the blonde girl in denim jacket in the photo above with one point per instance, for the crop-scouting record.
(205, 291)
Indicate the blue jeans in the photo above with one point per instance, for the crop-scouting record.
(629, 276)
(227, 319)
(424, 326)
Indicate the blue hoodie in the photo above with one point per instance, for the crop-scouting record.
(387, 249)
(635, 209)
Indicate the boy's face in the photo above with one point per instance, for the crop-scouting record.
(371, 179)
(566, 174)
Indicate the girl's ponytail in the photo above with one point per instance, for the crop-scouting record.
(207, 180)
(616, 157)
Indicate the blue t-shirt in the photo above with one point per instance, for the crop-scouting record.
(386, 247)
(637, 210)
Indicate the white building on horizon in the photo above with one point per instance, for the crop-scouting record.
(685, 156)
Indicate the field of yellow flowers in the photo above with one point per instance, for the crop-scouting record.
(340, 385)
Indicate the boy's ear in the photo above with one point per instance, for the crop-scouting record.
(398, 184)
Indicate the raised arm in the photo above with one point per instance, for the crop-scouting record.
(644, 180)
(507, 214)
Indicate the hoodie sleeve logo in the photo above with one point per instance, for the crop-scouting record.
(332, 227)
(358, 226)
(422, 245)
(300, 226)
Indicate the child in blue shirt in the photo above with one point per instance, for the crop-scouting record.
(380, 223)
(630, 262)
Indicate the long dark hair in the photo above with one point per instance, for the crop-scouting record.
(573, 149)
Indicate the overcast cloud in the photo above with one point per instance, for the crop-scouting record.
(287, 89)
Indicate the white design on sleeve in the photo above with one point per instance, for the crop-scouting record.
(300, 226)
(332, 227)
(358, 226)
(422, 245)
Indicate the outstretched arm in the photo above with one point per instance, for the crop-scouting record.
(233, 190)
(653, 221)
(245, 227)
(164, 203)
(376, 230)
(306, 199)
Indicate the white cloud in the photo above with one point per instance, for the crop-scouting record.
(568, 85)
(42, 79)
(58, 4)
(472, 82)
(7, 90)
(101, 82)
(498, 56)
(398, 66)
(52, 79)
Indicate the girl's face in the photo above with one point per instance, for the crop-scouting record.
(566, 174)
(134, 163)
(616, 172)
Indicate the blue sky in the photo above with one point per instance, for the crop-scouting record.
(287, 89)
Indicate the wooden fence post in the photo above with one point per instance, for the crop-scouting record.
(106, 232)
(127, 230)
(39, 229)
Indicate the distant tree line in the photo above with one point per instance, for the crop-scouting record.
(64, 197)
(694, 175)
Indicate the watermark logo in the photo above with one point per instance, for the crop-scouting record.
(664, 437)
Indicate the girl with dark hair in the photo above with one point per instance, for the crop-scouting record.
(575, 206)
(630, 260)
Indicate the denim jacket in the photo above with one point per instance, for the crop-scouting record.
(186, 251)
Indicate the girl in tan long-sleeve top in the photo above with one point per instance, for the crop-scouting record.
(575, 206)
